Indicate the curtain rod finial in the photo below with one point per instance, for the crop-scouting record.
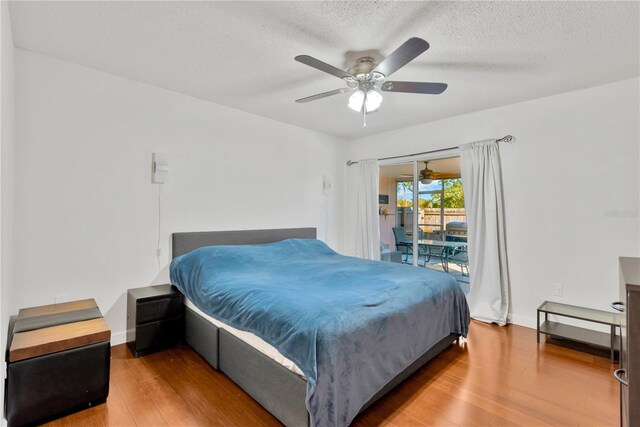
(509, 139)
(349, 163)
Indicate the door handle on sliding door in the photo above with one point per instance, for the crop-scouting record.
(618, 374)
(618, 305)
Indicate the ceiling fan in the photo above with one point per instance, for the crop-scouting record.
(366, 78)
(427, 175)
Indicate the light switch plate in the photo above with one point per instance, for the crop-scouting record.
(557, 289)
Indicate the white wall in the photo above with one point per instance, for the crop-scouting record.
(6, 167)
(86, 213)
(571, 186)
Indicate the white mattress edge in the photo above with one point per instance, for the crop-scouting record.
(248, 338)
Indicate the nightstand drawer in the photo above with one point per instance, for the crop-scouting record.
(158, 309)
(155, 318)
(159, 334)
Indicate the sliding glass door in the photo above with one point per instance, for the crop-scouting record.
(397, 214)
(421, 201)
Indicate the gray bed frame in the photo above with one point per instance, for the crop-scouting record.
(277, 389)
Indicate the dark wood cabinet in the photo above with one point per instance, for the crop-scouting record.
(155, 318)
(58, 361)
(629, 373)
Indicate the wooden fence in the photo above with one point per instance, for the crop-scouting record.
(429, 218)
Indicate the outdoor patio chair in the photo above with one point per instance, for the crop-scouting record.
(432, 251)
(403, 243)
(459, 257)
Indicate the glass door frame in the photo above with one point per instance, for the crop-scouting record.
(414, 160)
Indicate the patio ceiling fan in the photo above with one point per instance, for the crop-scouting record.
(366, 78)
(427, 175)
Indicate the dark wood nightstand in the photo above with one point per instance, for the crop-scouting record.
(155, 318)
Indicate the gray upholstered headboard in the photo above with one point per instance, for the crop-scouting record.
(182, 243)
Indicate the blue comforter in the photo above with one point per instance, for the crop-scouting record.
(350, 325)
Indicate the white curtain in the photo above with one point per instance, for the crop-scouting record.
(482, 185)
(367, 226)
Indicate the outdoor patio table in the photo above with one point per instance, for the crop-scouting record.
(446, 245)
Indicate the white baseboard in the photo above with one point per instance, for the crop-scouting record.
(119, 337)
(526, 321)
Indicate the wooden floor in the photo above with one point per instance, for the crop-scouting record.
(498, 377)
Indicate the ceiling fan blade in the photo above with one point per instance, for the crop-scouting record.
(402, 56)
(443, 175)
(322, 66)
(414, 87)
(324, 95)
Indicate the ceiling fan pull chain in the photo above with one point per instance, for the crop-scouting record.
(364, 111)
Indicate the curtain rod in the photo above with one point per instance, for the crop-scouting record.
(506, 138)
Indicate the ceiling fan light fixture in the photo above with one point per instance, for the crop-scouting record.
(370, 100)
(373, 101)
(356, 100)
(425, 174)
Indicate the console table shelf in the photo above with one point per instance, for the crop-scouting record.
(574, 333)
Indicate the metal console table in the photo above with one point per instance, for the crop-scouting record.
(574, 333)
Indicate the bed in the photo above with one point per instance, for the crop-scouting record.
(354, 329)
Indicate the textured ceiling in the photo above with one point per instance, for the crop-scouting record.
(241, 54)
